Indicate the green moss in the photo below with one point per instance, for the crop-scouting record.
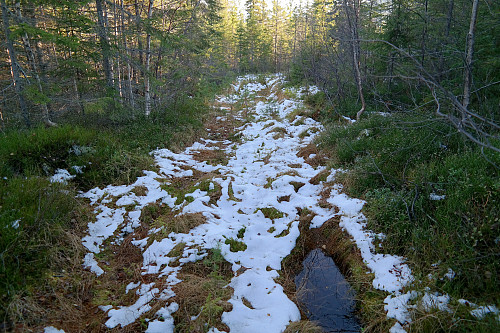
(177, 250)
(235, 245)
(271, 213)
(241, 232)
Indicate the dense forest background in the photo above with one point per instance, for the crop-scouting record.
(77, 57)
(101, 83)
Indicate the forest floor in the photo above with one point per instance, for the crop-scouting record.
(203, 242)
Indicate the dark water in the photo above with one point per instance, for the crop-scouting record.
(326, 295)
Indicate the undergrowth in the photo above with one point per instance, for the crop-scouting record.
(36, 219)
(434, 195)
(107, 145)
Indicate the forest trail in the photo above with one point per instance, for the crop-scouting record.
(200, 240)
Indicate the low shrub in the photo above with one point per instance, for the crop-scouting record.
(433, 194)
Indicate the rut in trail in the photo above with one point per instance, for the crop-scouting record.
(206, 233)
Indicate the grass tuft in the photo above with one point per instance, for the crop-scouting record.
(235, 245)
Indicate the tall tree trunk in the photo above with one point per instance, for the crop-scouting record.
(138, 23)
(76, 78)
(147, 83)
(106, 25)
(105, 48)
(30, 55)
(18, 84)
(445, 41)
(423, 47)
(469, 55)
(353, 21)
(130, 92)
(117, 26)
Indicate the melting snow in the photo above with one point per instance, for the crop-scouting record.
(436, 197)
(15, 224)
(435, 301)
(61, 176)
(256, 176)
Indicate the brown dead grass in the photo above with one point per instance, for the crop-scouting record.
(122, 264)
(278, 130)
(152, 211)
(223, 129)
(266, 91)
(320, 177)
(180, 140)
(303, 326)
(280, 95)
(320, 157)
(65, 291)
(307, 150)
(180, 224)
(284, 198)
(71, 298)
(296, 185)
(181, 186)
(203, 293)
(323, 203)
(212, 157)
(292, 173)
(140, 190)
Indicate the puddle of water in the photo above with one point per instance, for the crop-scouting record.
(325, 294)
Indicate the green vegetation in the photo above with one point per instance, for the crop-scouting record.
(235, 245)
(400, 164)
(108, 150)
(271, 213)
(35, 216)
(143, 77)
(203, 295)
(241, 233)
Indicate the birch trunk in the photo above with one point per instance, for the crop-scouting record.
(147, 83)
(469, 56)
(130, 92)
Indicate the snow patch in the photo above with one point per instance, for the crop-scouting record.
(61, 176)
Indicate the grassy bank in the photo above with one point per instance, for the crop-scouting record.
(434, 195)
(42, 223)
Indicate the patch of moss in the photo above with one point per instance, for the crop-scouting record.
(271, 212)
(235, 245)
